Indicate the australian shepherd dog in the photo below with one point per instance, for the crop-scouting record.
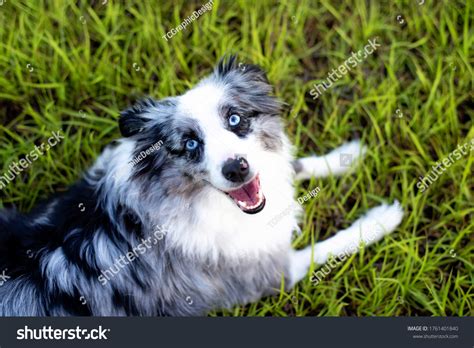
(193, 209)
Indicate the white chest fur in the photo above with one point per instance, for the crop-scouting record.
(221, 229)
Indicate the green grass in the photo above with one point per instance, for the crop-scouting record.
(423, 68)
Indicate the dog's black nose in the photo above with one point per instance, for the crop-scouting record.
(236, 170)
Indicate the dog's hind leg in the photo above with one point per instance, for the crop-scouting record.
(337, 162)
(370, 228)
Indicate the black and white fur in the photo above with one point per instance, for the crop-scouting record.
(213, 254)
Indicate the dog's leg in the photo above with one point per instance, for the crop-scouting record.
(368, 229)
(337, 162)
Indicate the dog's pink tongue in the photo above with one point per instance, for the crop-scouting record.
(247, 193)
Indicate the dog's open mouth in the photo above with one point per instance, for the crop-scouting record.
(249, 198)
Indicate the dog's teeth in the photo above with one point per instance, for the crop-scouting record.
(248, 206)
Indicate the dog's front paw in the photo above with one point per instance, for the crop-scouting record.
(337, 162)
(380, 221)
(345, 156)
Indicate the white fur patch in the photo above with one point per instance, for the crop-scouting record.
(370, 228)
(57, 270)
(337, 162)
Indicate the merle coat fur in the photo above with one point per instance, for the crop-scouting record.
(54, 258)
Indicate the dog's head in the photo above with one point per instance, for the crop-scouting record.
(218, 134)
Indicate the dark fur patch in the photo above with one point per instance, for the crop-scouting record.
(131, 120)
(231, 64)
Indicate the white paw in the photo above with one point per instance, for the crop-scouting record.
(338, 161)
(380, 221)
(345, 156)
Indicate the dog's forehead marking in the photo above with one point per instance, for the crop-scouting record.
(202, 103)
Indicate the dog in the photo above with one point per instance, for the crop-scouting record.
(185, 214)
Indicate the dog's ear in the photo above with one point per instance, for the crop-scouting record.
(230, 64)
(132, 120)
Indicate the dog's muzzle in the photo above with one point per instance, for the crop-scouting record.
(248, 197)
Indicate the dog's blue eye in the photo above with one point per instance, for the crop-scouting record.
(191, 144)
(234, 120)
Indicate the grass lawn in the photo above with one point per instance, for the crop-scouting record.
(73, 67)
